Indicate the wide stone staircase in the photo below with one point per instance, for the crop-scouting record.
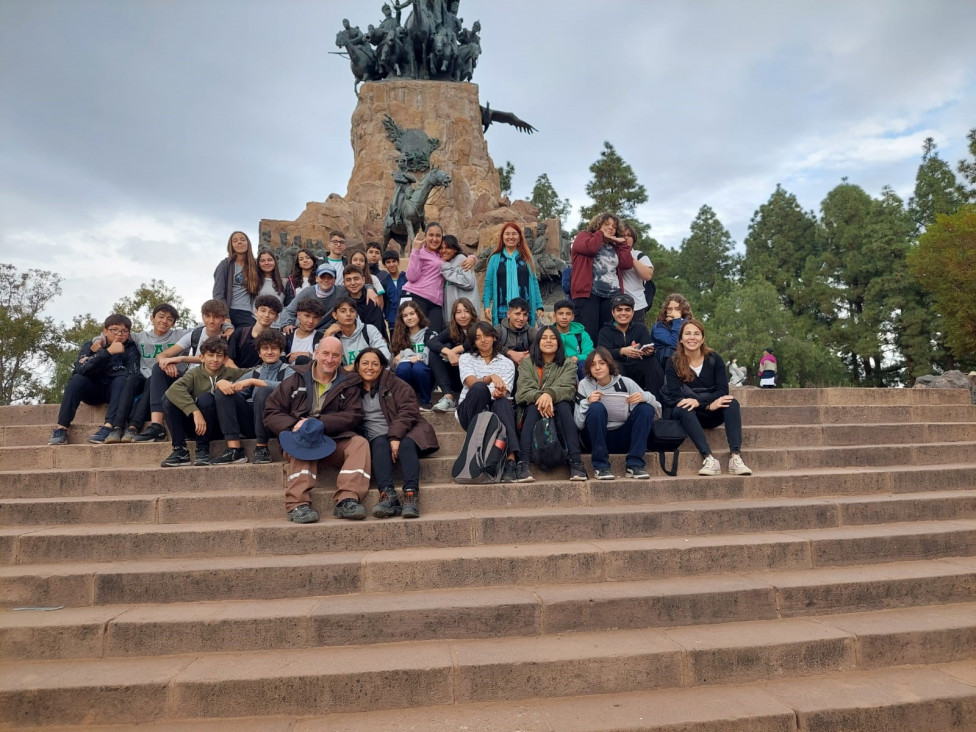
(834, 589)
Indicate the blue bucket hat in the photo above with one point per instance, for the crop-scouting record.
(308, 442)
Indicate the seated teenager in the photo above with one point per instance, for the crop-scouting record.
(99, 377)
(576, 340)
(325, 290)
(514, 334)
(151, 343)
(613, 415)
(352, 333)
(172, 363)
(488, 377)
(240, 405)
(629, 344)
(675, 310)
(411, 355)
(445, 352)
(372, 281)
(354, 281)
(191, 404)
(243, 350)
(301, 342)
(396, 433)
(697, 387)
(391, 263)
(547, 388)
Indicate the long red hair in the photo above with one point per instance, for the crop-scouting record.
(522, 247)
(682, 365)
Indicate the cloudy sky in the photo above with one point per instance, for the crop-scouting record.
(135, 135)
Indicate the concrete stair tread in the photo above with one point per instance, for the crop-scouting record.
(480, 670)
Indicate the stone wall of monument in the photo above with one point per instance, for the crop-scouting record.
(448, 111)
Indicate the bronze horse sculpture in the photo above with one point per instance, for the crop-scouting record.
(405, 216)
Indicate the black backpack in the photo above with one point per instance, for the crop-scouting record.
(666, 436)
(548, 451)
(484, 451)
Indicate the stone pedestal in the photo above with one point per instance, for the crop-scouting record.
(448, 111)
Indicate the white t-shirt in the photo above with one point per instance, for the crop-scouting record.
(302, 345)
(633, 284)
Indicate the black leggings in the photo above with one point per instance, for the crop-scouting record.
(697, 421)
(567, 427)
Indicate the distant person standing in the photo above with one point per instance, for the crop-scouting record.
(737, 373)
(767, 370)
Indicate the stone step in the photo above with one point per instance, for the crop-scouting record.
(106, 542)
(366, 618)
(360, 678)
(175, 579)
(850, 396)
(438, 466)
(936, 698)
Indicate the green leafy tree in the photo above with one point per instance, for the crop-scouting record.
(545, 198)
(139, 305)
(29, 338)
(945, 264)
(614, 188)
(505, 174)
(706, 262)
(936, 189)
(750, 317)
(967, 168)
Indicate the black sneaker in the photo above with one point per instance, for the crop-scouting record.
(509, 472)
(153, 433)
(131, 433)
(522, 474)
(202, 455)
(179, 456)
(389, 505)
(411, 504)
(114, 436)
(261, 456)
(230, 456)
(350, 508)
(637, 471)
(605, 474)
(303, 514)
(577, 471)
(59, 436)
(99, 437)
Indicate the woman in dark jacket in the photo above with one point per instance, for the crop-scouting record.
(396, 433)
(696, 386)
(599, 257)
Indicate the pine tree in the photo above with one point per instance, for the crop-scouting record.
(705, 263)
(967, 168)
(936, 189)
(614, 187)
(545, 198)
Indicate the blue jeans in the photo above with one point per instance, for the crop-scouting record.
(418, 376)
(630, 437)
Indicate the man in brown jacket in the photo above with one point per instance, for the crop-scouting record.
(326, 392)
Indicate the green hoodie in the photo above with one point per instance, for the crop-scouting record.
(577, 342)
(185, 390)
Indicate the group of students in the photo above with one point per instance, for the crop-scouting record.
(602, 389)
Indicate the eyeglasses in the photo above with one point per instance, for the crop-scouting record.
(337, 241)
(119, 331)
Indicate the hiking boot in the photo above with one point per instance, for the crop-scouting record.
(710, 466)
(203, 455)
(179, 456)
(261, 456)
(389, 505)
(737, 467)
(411, 504)
(153, 433)
(130, 435)
(350, 508)
(522, 474)
(605, 474)
(577, 472)
(637, 471)
(59, 436)
(509, 472)
(303, 514)
(230, 456)
(114, 437)
(99, 437)
(446, 404)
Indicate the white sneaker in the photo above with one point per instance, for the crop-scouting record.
(737, 467)
(710, 466)
(446, 404)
